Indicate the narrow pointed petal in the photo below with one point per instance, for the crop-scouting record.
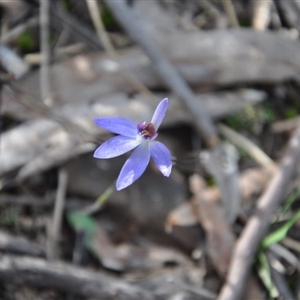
(134, 167)
(159, 113)
(118, 125)
(162, 157)
(116, 146)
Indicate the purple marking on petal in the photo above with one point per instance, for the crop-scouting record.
(134, 167)
(118, 125)
(159, 113)
(162, 157)
(116, 146)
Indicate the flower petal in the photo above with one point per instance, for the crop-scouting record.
(116, 146)
(118, 125)
(134, 167)
(159, 113)
(162, 157)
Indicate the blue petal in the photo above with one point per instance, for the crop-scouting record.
(162, 157)
(159, 113)
(116, 146)
(134, 167)
(118, 125)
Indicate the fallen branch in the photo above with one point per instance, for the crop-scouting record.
(257, 226)
(67, 278)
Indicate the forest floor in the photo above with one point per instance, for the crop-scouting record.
(225, 223)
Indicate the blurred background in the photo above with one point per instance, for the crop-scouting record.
(230, 69)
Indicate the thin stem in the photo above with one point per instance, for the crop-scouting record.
(100, 201)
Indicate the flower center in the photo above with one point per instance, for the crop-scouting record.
(146, 130)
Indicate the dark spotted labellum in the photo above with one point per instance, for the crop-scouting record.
(147, 130)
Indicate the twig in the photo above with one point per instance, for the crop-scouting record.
(240, 141)
(54, 234)
(279, 280)
(166, 70)
(15, 33)
(79, 249)
(281, 251)
(222, 163)
(36, 58)
(68, 279)
(12, 62)
(45, 51)
(210, 8)
(19, 245)
(292, 244)
(60, 18)
(285, 125)
(109, 48)
(262, 14)
(230, 11)
(258, 224)
(79, 32)
(94, 11)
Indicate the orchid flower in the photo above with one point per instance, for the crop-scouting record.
(142, 137)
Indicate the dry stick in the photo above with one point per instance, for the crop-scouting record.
(230, 11)
(20, 245)
(68, 279)
(286, 254)
(60, 18)
(285, 125)
(54, 234)
(15, 33)
(258, 224)
(165, 69)
(35, 58)
(80, 32)
(45, 51)
(262, 14)
(207, 5)
(240, 141)
(279, 281)
(109, 48)
(291, 244)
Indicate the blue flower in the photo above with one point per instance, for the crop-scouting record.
(132, 136)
